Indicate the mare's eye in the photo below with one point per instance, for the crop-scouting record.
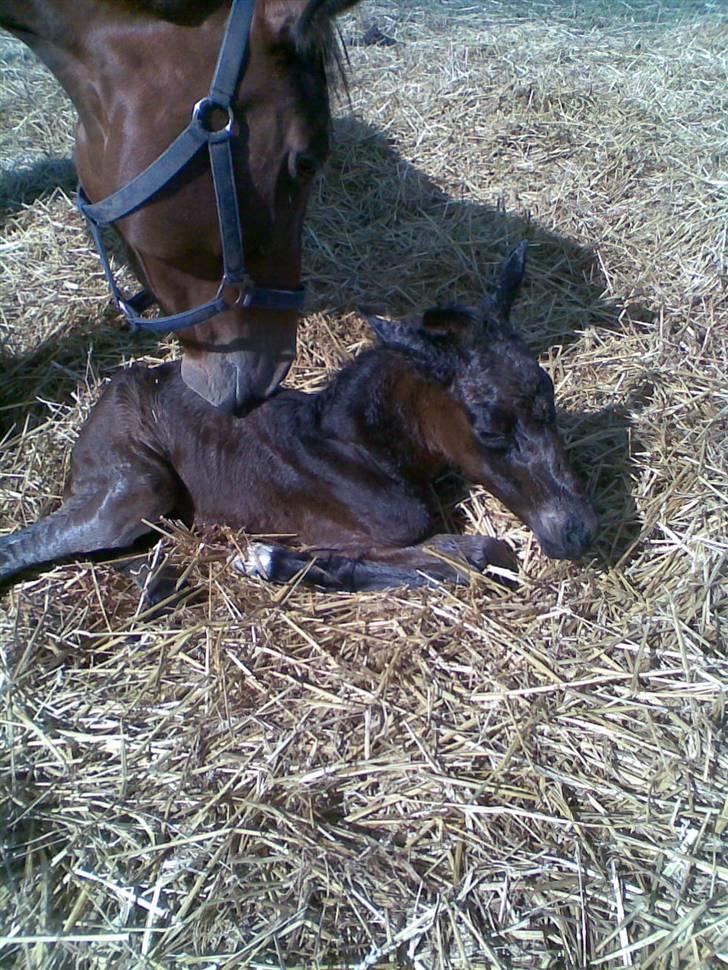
(302, 166)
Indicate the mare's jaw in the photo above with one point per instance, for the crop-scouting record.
(235, 382)
(238, 368)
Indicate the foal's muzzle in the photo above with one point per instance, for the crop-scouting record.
(566, 533)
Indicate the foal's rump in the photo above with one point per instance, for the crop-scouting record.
(120, 480)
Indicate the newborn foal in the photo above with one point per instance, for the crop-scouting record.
(347, 470)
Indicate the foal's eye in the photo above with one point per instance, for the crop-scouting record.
(544, 411)
(492, 428)
(492, 440)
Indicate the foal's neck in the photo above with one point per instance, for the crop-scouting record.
(383, 401)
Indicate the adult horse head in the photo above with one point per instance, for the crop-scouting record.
(134, 71)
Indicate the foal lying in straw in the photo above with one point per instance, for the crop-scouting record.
(347, 470)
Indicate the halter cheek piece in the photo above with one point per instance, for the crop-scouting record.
(201, 131)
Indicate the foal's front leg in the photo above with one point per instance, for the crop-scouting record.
(442, 558)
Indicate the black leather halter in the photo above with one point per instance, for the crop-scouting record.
(231, 64)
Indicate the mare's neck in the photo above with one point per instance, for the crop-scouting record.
(89, 44)
(56, 32)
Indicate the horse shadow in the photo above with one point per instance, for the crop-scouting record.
(22, 186)
(379, 230)
(601, 445)
(51, 373)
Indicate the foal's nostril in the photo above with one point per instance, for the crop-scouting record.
(575, 531)
(578, 537)
(568, 539)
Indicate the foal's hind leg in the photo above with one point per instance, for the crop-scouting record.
(381, 568)
(159, 582)
(101, 515)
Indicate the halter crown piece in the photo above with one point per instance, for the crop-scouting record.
(134, 195)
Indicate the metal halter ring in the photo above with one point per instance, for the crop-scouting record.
(241, 290)
(202, 113)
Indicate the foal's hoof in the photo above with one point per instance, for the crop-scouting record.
(160, 586)
(478, 552)
(493, 552)
(258, 563)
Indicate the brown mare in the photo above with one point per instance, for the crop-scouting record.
(347, 470)
(134, 69)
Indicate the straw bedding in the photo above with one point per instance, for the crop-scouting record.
(440, 778)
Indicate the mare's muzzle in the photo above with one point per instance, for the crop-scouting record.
(238, 376)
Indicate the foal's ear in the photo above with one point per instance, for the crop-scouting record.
(393, 334)
(440, 329)
(511, 276)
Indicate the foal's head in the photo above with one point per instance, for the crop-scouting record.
(497, 421)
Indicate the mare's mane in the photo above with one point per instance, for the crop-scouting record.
(315, 37)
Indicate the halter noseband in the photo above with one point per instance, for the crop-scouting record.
(231, 64)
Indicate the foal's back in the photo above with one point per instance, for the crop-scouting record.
(294, 464)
